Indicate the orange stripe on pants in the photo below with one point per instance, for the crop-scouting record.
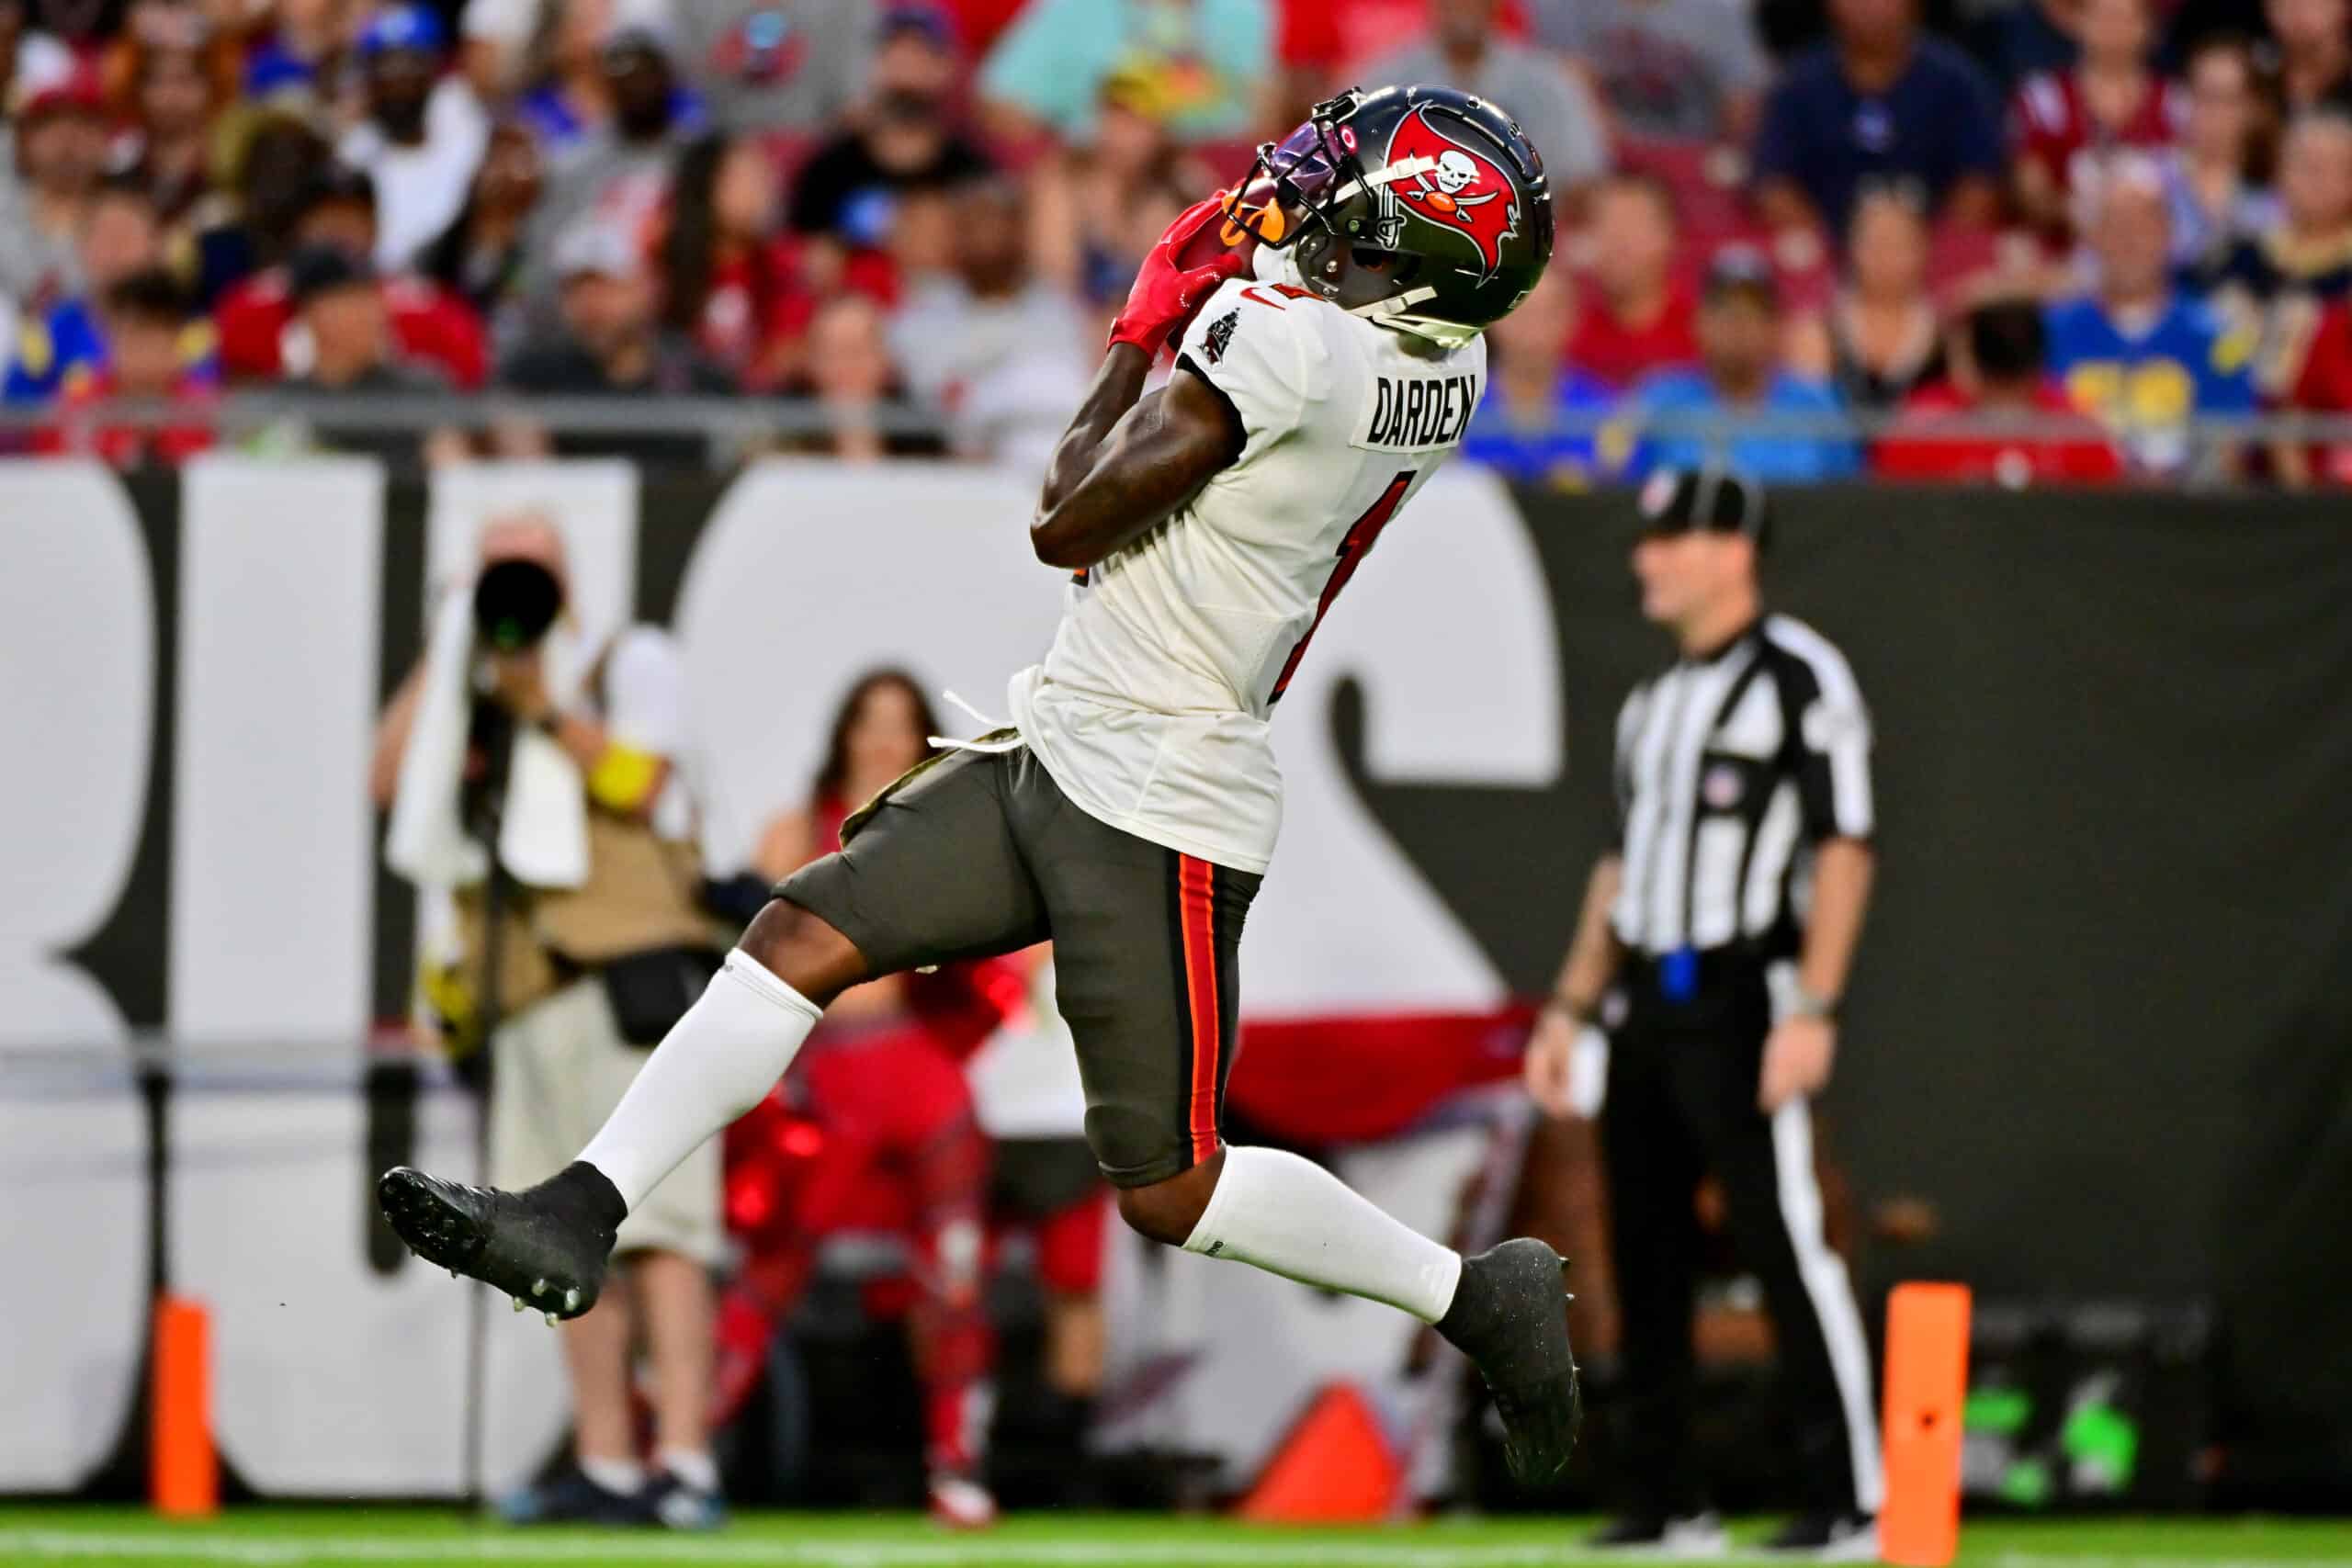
(1196, 887)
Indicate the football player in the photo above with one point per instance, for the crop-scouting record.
(1130, 810)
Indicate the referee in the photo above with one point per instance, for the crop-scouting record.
(1718, 930)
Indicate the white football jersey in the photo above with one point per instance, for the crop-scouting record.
(1151, 710)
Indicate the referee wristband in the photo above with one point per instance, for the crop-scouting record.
(1790, 999)
(1805, 1004)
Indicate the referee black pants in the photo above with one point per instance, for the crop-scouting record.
(1680, 1106)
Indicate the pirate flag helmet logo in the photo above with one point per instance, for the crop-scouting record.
(1456, 188)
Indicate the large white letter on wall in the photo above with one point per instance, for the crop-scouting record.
(281, 568)
(78, 693)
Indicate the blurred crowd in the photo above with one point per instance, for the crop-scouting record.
(1872, 231)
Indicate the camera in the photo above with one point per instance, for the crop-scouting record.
(515, 603)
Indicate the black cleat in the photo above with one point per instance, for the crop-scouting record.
(1510, 1317)
(544, 1247)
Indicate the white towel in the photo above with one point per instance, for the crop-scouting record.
(543, 830)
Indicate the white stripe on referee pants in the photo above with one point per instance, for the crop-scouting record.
(1823, 1273)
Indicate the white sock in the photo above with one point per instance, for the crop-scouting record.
(624, 1476)
(1293, 1218)
(693, 1466)
(715, 1064)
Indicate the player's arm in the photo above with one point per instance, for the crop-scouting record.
(1105, 491)
(1096, 500)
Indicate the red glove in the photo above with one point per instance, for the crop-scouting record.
(1167, 288)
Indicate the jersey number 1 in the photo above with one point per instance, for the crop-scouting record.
(1358, 544)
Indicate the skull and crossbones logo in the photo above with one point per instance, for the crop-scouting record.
(1441, 187)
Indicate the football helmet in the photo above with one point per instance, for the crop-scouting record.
(1422, 209)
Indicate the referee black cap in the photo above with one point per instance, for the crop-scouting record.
(1710, 497)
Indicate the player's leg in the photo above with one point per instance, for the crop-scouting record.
(1147, 946)
(932, 875)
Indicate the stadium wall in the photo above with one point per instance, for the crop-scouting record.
(2100, 1023)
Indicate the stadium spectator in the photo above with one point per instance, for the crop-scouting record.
(2323, 386)
(423, 138)
(261, 339)
(1465, 49)
(2218, 174)
(350, 353)
(901, 136)
(169, 149)
(611, 345)
(573, 100)
(302, 47)
(2272, 286)
(1540, 420)
(585, 972)
(732, 284)
(620, 174)
(857, 387)
(55, 346)
(2018, 39)
(1740, 378)
(2137, 354)
(882, 1079)
(61, 152)
(1664, 69)
(147, 331)
(277, 159)
(479, 258)
(1000, 348)
(1950, 430)
(1881, 335)
(1878, 102)
(30, 59)
(1319, 43)
(2112, 97)
(775, 65)
(503, 40)
(1638, 317)
(1200, 66)
(1091, 207)
(2313, 50)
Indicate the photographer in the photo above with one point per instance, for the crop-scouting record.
(532, 782)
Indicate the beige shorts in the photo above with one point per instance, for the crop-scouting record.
(559, 1069)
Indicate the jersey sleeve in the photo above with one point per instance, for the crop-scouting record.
(1832, 742)
(1257, 347)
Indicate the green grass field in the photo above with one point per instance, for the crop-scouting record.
(409, 1538)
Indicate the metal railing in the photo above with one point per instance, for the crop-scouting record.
(735, 426)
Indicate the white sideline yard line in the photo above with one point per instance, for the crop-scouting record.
(291, 1551)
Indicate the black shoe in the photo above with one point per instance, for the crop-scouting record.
(1693, 1535)
(570, 1498)
(1846, 1536)
(546, 1247)
(1511, 1316)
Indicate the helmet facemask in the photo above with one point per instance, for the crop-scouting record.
(1310, 197)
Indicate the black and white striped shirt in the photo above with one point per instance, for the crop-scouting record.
(1730, 768)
